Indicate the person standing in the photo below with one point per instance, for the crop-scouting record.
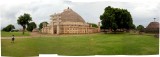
(13, 39)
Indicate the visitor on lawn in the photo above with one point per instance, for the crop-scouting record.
(12, 39)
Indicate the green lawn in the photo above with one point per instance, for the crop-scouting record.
(89, 44)
(9, 34)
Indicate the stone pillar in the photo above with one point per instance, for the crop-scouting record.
(43, 28)
(91, 30)
(58, 28)
(46, 30)
(52, 28)
(90, 25)
(58, 24)
(99, 29)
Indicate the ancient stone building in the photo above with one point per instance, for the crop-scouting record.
(68, 22)
(153, 27)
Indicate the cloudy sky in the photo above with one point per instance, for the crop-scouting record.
(142, 11)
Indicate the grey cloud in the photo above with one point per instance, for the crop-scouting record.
(8, 16)
(90, 11)
(40, 11)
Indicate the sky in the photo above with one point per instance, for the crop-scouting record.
(142, 11)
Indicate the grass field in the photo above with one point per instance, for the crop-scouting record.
(90, 44)
(9, 34)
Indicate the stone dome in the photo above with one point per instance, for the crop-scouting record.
(70, 16)
(153, 25)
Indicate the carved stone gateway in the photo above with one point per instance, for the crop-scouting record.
(68, 22)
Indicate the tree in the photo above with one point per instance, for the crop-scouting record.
(107, 18)
(23, 20)
(115, 18)
(140, 27)
(8, 28)
(31, 26)
(93, 25)
(114, 26)
(41, 25)
(133, 26)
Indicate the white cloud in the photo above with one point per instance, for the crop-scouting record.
(40, 10)
(142, 12)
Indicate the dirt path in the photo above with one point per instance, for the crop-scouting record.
(34, 34)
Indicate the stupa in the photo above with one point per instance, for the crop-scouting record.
(68, 22)
(153, 27)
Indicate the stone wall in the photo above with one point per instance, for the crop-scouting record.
(70, 28)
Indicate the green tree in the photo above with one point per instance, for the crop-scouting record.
(31, 26)
(115, 18)
(41, 25)
(8, 28)
(23, 20)
(94, 25)
(133, 26)
(107, 18)
(140, 27)
(114, 26)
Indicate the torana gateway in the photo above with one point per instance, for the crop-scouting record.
(68, 22)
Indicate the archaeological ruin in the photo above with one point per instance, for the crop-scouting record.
(68, 22)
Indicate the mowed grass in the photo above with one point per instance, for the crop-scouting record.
(9, 34)
(89, 44)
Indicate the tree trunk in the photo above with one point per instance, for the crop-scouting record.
(110, 30)
(114, 31)
(23, 29)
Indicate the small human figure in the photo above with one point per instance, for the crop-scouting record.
(12, 39)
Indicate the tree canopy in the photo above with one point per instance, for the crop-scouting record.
(41, 25)
(23, 20)
(31, 26)
(93, 25)
(133, 26)
(116, 18)
(8, 28)
(140, 27)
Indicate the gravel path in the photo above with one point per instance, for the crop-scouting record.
(33, 35)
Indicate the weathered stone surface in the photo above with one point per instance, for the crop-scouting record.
(68, 22)
(153, 27)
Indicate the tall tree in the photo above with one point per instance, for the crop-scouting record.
(116, 18)
(23, 20)
(31, 26)
(8, 28)
(41, 25)
(133, 26)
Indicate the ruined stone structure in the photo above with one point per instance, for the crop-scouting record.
(153, 27)
(68, 22)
